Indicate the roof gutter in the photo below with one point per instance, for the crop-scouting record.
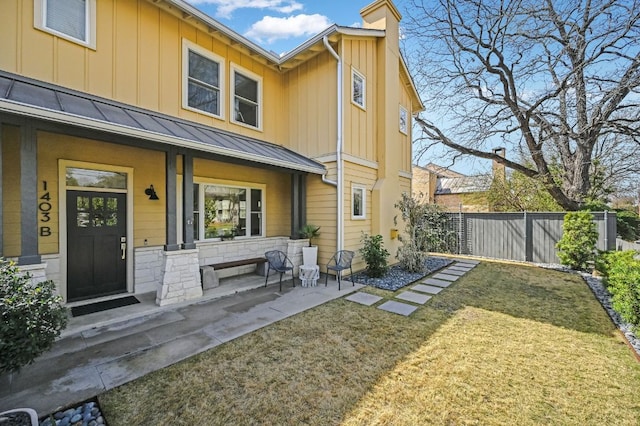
(340, 181)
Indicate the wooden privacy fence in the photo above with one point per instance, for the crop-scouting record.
(516, 236)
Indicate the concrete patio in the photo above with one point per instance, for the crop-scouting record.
(100, 351)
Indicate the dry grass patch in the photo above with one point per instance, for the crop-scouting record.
(504, 343)
(489, 368)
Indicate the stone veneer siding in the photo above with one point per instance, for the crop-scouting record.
(180, 279)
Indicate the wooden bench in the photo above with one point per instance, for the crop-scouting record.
(208, 275)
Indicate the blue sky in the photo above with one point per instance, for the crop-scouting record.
(281, 25)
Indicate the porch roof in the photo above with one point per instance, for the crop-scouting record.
(32, 98)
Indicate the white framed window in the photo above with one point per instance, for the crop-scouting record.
(403, 120)
(246, 97)
(358, 88)
(203, 80)
(227, 211)
(73, 20)
(358, 201)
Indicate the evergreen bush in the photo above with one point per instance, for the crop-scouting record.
(374, 254)
(32, 317)
(577, 247)
(622, 278)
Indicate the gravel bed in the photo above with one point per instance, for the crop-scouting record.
(397, 277)
(604, 297)
(86, 414)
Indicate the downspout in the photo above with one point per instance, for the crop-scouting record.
(340, 183)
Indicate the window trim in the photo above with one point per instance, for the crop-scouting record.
(235, 68)
(187, 46)
(358, 187)
(40, 23)
(354, 73)
(248, 186)
(404, 110)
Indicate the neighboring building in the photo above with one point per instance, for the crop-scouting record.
(454, 191)
(425, 180)
(136, 133)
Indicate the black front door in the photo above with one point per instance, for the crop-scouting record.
(96, 244)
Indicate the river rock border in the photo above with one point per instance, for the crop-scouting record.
(85, 414)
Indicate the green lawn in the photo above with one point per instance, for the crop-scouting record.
(506, 344)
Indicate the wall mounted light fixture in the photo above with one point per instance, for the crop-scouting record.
(151, 193)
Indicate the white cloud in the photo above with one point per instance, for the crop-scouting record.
(270, 29)
(225, 8)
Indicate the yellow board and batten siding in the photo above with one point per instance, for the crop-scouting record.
(137, 60)
(359, 124)
(354, 228)
(310, 107)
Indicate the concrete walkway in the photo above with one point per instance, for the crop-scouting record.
(107, 349)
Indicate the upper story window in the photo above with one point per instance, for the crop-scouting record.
(74, 20)
(358, 88)
(203, 81)
(247, 98)
(403, 123)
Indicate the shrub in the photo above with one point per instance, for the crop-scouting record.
(439, 235)
(374, 254)
(627, 220)
(32, 317)
(577, 246)
(627, 224)
(411, 258)
(603, 262)
(412, 253)
(623, 282)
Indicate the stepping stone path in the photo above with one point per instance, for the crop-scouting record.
(364, 298)
(410, 296)
(419, 293)
(398, 308)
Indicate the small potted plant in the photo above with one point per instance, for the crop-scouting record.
(310, 253)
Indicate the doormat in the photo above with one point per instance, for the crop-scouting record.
(78, 311)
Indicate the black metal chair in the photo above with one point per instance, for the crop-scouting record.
(279, 262)
(340, 261)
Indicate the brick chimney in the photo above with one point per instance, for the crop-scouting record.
(499, 170)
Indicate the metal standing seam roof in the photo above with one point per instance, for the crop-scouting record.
(33, 98)
(463, 185)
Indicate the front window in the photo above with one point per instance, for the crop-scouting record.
(203, 84)
(227, 211)
(358, 88)
(358, 202)
(246, 98)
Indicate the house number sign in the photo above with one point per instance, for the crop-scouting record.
(44, 207)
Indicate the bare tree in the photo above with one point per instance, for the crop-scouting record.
(555, 80)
